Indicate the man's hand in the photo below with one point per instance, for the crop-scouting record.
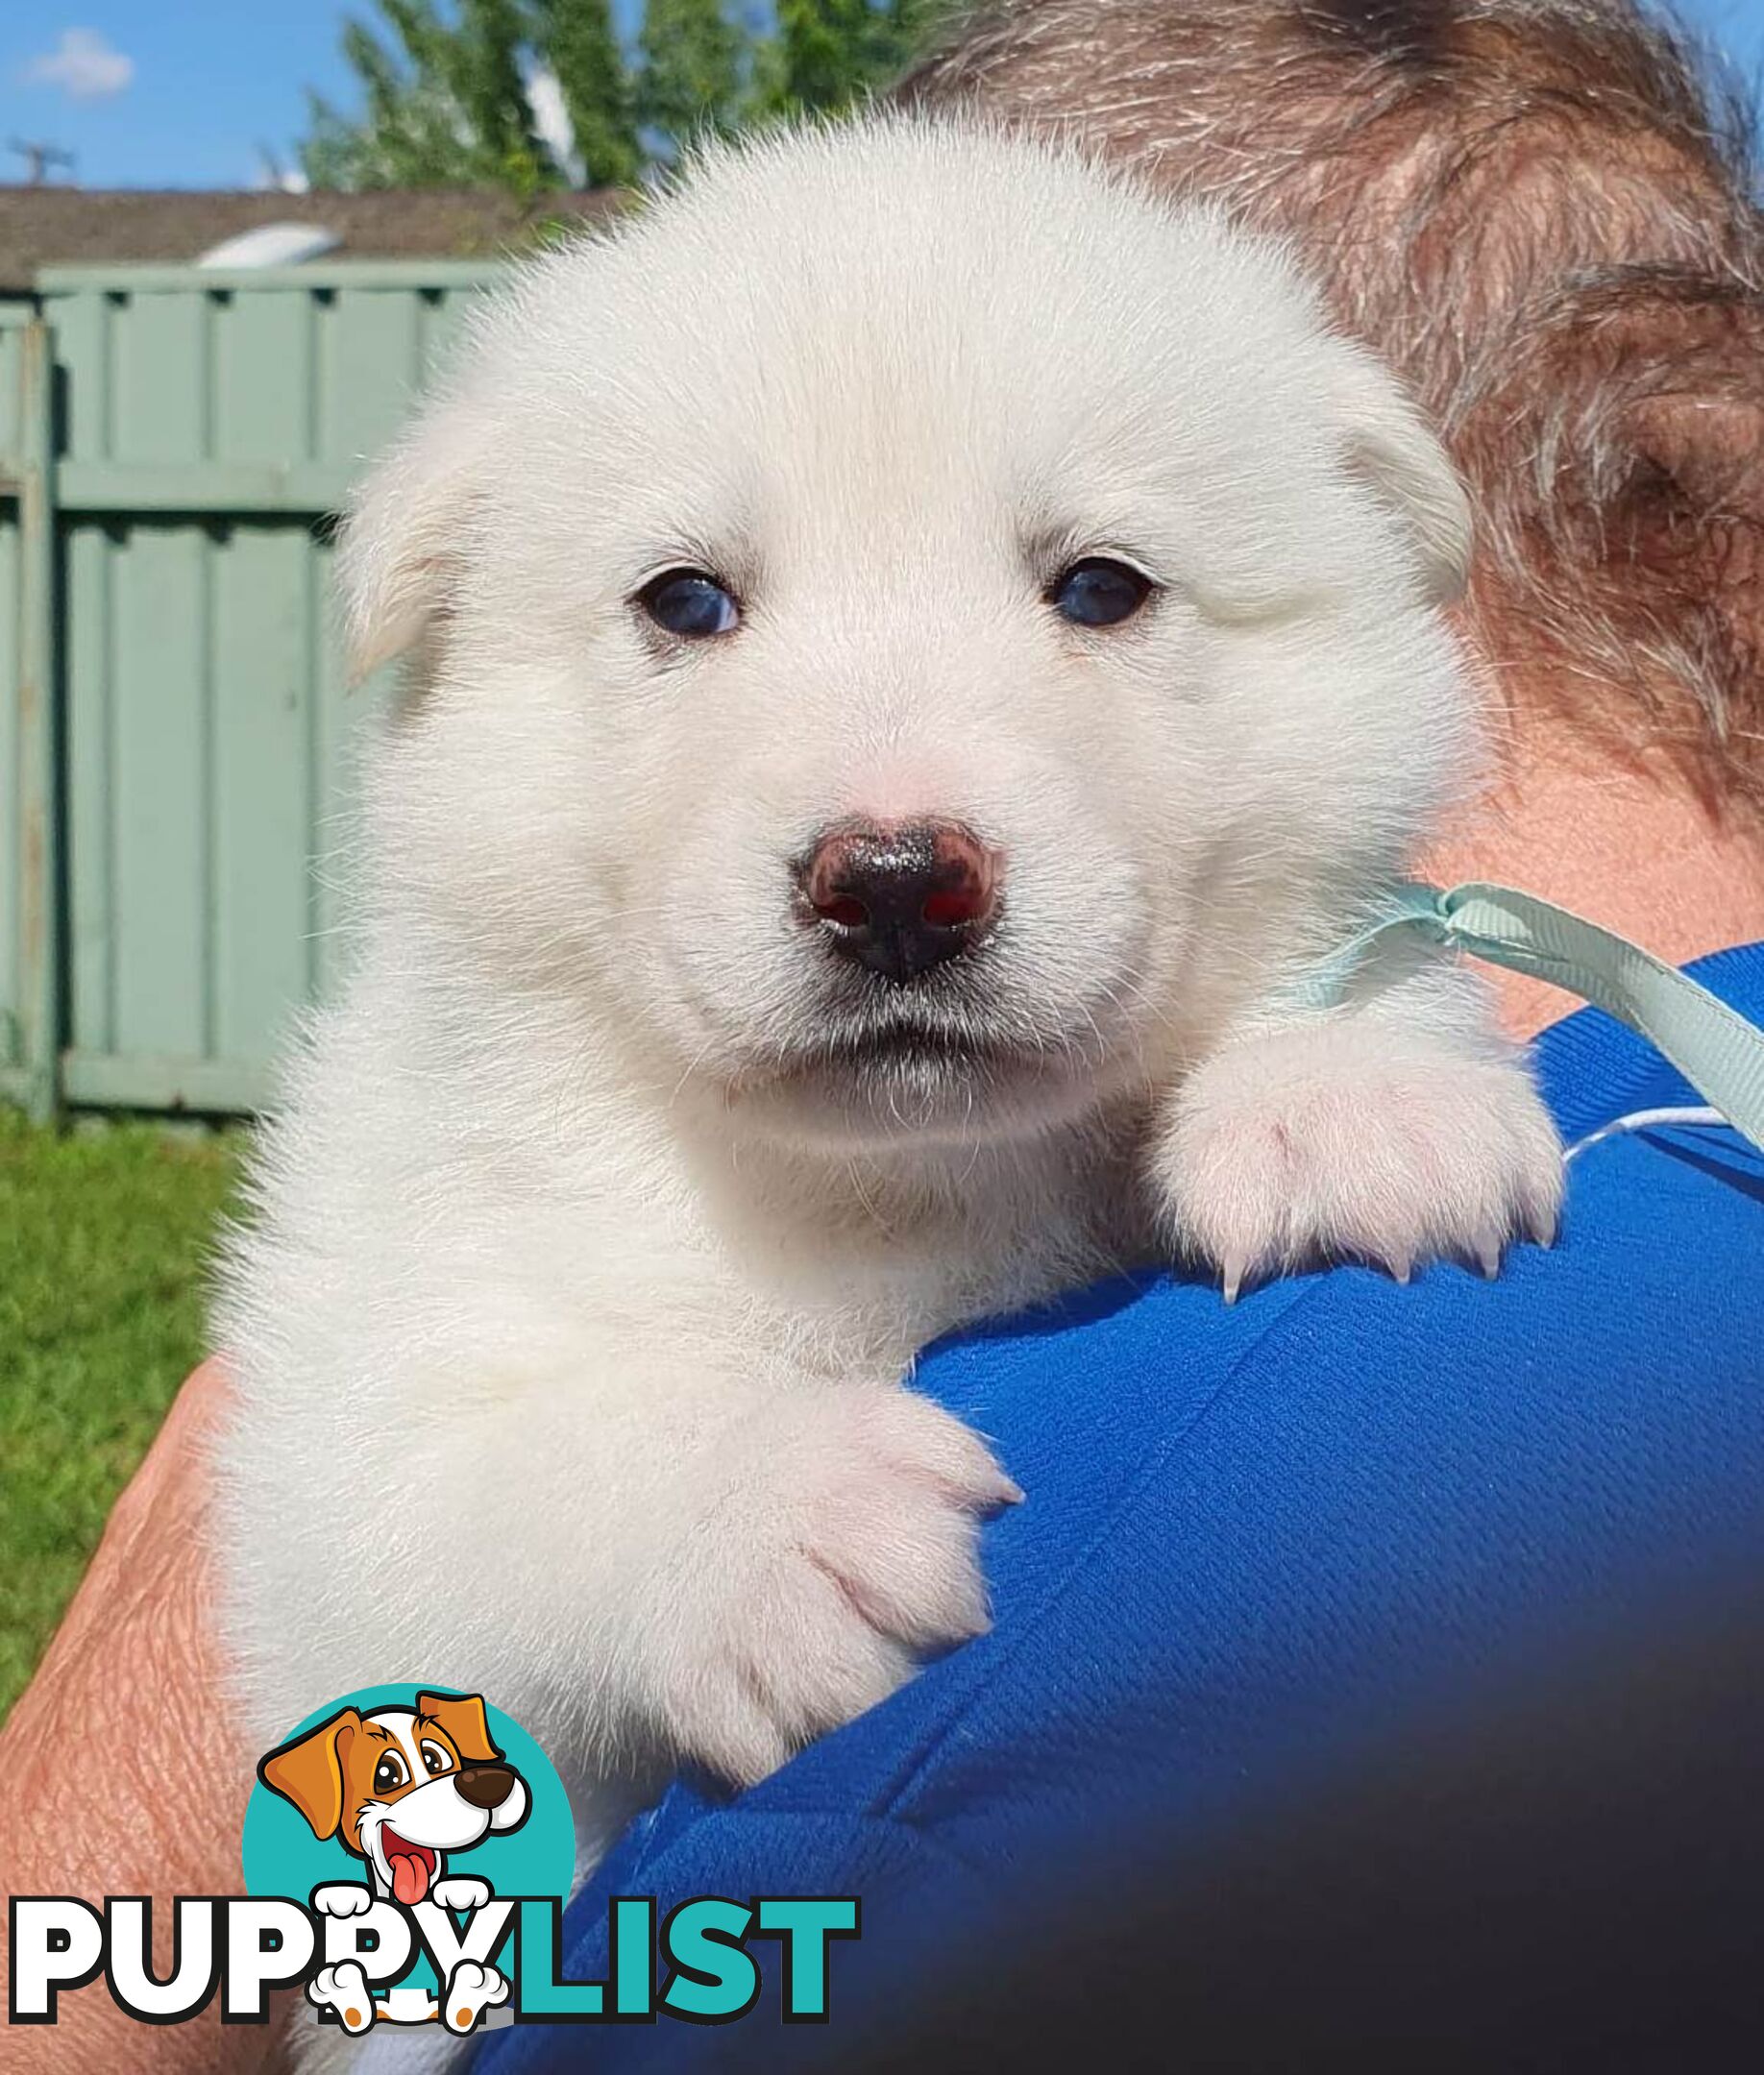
(124, 1774)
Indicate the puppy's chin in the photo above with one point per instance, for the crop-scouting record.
(907, 1087)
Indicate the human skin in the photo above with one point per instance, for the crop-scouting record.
(1612, 835)
(125, 1775)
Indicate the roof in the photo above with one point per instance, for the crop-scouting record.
(51, 226)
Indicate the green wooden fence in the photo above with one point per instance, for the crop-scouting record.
(173, 730)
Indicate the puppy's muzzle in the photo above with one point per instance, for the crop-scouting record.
(899, 898)
(485, 1787)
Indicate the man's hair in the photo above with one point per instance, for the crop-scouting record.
(1543, 214)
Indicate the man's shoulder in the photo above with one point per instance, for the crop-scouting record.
(1248, 1529)
(1292, 1473)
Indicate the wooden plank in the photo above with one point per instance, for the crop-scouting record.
(370, 371)
(88, 620)
(146, 1081)
(263, 377)
(11, 1038)
(236, 488)
(261, 807)
(83, 343)
(11, 351)
(397, 275)
(161, 407)
(39, 879)
(161, 772)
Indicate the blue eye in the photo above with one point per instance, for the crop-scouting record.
(1098, 592)
(689, 603)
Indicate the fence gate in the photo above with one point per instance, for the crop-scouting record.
(174, 740)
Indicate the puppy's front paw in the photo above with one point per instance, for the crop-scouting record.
(1350, 1141)
(343, 1988)
(471, 1988)
(460, 1892)
(841, 1548)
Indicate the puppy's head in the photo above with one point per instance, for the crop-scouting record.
(904, 620)
(403, 1786)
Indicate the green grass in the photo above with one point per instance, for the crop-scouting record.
(104, 1243)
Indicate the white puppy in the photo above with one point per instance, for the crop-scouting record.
(918, 643)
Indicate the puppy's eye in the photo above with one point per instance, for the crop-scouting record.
(689, 603)
(389, 1774)
(1098, 592)
(435, 1758)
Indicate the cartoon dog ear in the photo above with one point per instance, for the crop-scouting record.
(309, 1771)
(462, 1716)
(399, 552)
(1390, 448)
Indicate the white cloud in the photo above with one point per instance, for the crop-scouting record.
(83, 65)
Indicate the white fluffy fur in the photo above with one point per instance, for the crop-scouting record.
(569, 1336)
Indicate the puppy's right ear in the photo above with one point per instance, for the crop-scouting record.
(310, 1770)
(1388, 447)
(400, 548)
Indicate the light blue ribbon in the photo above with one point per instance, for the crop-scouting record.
(1713, 1046)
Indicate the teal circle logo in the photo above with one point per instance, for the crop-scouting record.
(303, 1823)
(305, 1833)
(392, 1798)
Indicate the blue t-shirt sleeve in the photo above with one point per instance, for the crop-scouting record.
(1253, 1536)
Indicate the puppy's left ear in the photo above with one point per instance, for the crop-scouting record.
(1388, 447)
(462, 1716)
(309, 1771)
(399, 554)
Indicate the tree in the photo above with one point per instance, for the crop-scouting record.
(447, 107)
(830, 53)
(695, 73)
(576, 40)
(446, 86)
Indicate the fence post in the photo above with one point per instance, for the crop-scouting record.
(40, 881)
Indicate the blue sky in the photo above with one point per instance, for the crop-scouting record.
(184, 92)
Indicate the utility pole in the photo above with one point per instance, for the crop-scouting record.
(41, 158)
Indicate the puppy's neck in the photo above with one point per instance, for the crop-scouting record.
(924, 1230)
(967, 1228)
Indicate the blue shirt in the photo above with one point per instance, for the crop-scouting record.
(1255, 1537)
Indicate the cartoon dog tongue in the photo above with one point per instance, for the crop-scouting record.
(410, 1877)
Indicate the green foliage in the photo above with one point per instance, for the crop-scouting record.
(824, 47)
(104, 1244)
(444, 107)
(695, 66)
(576, 41)
(443, 99)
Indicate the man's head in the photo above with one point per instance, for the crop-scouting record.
(906, 619)
(1537, 210)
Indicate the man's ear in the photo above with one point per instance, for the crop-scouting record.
(462, 1716)
(400, 546)
(309, 1771)
(1386, 445)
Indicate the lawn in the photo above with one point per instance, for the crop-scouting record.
(104, 1243)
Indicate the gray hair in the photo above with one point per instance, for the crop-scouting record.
(1544, 214)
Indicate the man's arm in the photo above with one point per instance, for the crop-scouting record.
(124, 1774)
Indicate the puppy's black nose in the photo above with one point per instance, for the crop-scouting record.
(900, 898)
(485, 1786)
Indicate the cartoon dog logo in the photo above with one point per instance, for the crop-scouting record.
(401, 1789)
